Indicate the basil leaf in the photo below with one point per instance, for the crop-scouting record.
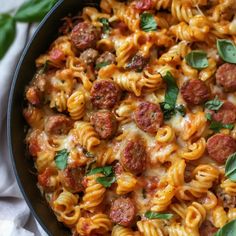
(61, 159)
(214, 105)
(228, 126)
(227, 230)
(106, 170)
(217, 126)
(7, 33)
(106, 26)
(208, 116)
(148, 22)
(106, 181)
(230, 167)
(155, 215)
(226, 50)
(34, 10)
(88, 154)
(181, 109)
(197, 59)
(102, 64)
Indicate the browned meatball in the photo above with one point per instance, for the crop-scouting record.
(148, 117)
(105, 124)
(195, 92)
(220, 146)
(89, 56)
(207, 229)
(226, 77)
(227, 200)
(71, 179)
(137, 63)
(84, 35)
(134, 156)
(33, 95)
(105, 94)
(226, 114)
(106, 58)
(123, 212)
(143, 5)
(58, 124)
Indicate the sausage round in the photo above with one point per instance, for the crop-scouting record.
(226, 114)
(105, 124)
(148, 117)
(137, 63)
(134, 155)
(84, 35)
(89, 56)
(227, 200)
(143, 5)
(207, 229)
(71, 179)
(226, 77)
(107, 58)
(34, 95)
(220, 146)
(123, 212)
(105, 94)
(195, 92)
(58, 124)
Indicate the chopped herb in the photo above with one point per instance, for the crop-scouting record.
(148, 22)
(106, 170)
(230, 167)
(227, 50)
(208, 116)
(106, 25)
(214, 104)
(228, 229)
(181, 109)
(61, 159)
(88, 154)
(217, 126)
(197, 59)
(155, 215)
(102, 64)
(106, 181)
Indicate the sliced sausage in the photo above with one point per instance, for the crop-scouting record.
(227, 200)
(71, 179)
(148, 117)
(226, 77)
(106, 58)
(220, 146)
(58, 124)
(123, 212)
(57, 56)
(89, 56)
(33, 95)
(44, 179)
(143, 5)
(226, 114)
(195, 92)
(207, 229)
(84, 35)
(134, 156)
(105, 124)
(137, 63)
(105, 94)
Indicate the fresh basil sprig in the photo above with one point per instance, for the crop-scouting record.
(230, 167)
(197, 59)
(61, 159)
(106, 170)
(106, 25)
(148, 22)
(227, 230)
(227, 50)
(106, 181)
(155, 215)
(102, 64)
(214, 104)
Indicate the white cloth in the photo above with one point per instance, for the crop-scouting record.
(15, 216)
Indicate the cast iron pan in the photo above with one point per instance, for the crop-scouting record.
(23, 165)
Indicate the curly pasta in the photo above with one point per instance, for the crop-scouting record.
(126, 182)
(150, 228)
(219, 217)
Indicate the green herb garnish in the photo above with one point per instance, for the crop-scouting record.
(230, 167)
(155, 215)
(61, 159)
(197, 59)
(102, 64)
(106, 25)
(214, 105)
(227, 50)
(148, 22)
(227, 230)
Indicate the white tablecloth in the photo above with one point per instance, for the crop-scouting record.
(15, 216)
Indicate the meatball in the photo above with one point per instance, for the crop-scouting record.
(207, 229)
(226, 77)
(58, 124)
(195, 92)
(220, 146)
(123, 212)
(89, 56)
(106, 58)
(105, 124)
(84, 35)
(134, 155)
(105, 94)
(137, 63)
(33, 95)
(143, 5)
(148, 117)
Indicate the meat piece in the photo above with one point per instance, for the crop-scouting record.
(134, 156)
(207, 229)
(33, 95)
(137, 63)
(226, 77)
(220, 146)
(121, 26)
(118, 169)
(58, 124)
(143, 5)
(105, 94)
(148, 117)
(123, 212)
(45, 181)
(105, 124)
(195, 92)
(106, 58)
(227, 200)
(71, 179)
(89, 56)
(57, 56)
(226, 114)
(84, 35)
(33, 143)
